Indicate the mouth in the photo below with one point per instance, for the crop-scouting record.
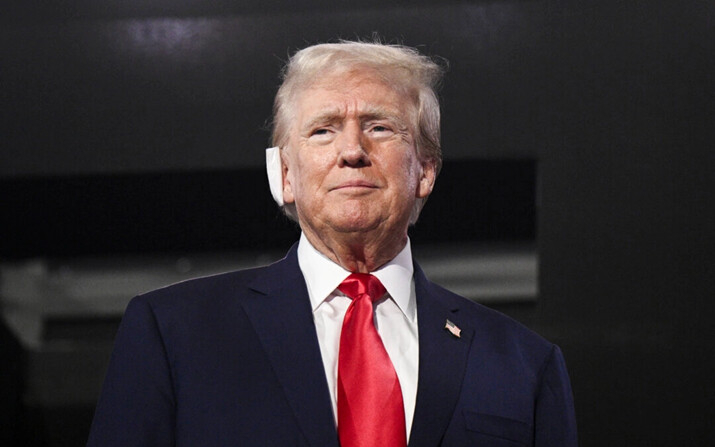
(354, 185)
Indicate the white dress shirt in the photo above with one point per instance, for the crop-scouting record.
(395, 316)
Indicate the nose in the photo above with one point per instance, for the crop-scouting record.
(351, 146)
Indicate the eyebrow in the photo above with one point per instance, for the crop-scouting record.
(332, 115)
(327, 116)
(381, 113)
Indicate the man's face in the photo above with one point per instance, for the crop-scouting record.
(350, 164)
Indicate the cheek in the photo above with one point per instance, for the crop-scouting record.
(310, 173)
(411, 170)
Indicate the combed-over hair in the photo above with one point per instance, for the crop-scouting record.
(401, 67)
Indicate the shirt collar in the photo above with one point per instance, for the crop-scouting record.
(323, 276)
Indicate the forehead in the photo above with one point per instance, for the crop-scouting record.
(360, 91)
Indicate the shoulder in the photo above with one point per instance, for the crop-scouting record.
(208, 295)
(235, 283)
(189, 316)
(494, 331)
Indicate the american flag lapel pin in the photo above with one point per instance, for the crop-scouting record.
(451, 327)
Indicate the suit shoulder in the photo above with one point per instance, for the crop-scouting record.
(494, 325)
(202, 290)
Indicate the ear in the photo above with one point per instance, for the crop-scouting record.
(427, 179)
(287, 178)
(275, 173)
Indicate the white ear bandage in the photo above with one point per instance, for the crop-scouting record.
(274, 169)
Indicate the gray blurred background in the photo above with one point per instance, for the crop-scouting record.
(577, 194)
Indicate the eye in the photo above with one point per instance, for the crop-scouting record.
(379, 128)
(321, 135)
(380, 131)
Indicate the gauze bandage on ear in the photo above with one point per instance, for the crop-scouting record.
(275, 173)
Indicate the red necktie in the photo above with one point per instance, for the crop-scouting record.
(370, 408)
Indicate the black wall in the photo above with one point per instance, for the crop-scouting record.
(614, 99)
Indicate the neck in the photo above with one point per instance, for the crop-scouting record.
(358, 252)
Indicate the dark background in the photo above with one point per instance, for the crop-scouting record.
(603, 110)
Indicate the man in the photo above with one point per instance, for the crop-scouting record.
(344, 341)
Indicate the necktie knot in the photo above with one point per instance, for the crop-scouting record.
(359, 284)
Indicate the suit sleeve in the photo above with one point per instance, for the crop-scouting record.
(136, 407)
(555, 419)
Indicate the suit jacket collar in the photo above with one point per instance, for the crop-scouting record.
(284, 323)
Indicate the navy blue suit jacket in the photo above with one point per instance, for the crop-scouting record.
(233, 360)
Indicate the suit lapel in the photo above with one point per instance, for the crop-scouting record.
(443, 358)
(283, 321)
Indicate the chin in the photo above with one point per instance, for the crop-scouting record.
(353, 227)
(355, 222)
